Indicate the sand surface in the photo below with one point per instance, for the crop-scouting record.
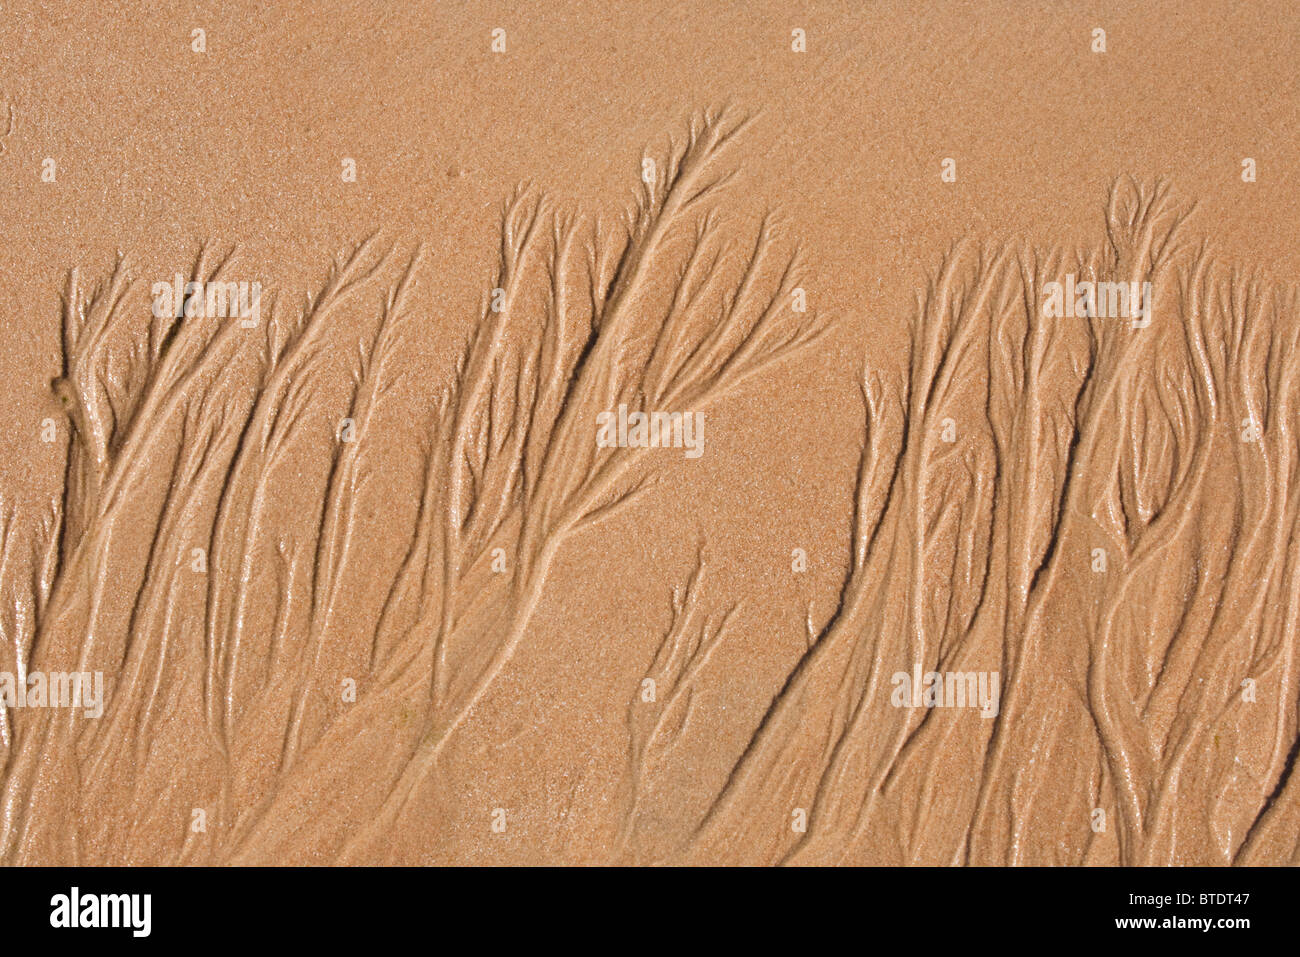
(959, 528)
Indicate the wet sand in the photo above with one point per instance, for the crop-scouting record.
(712, 435)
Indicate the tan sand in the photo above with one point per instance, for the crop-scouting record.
(718, 434)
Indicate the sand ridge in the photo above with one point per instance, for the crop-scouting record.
(708, 486)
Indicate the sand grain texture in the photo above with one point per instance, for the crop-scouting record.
(385, 570)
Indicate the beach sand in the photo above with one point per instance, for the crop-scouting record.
(917, 564)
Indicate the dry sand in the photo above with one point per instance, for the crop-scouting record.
(382, 573)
